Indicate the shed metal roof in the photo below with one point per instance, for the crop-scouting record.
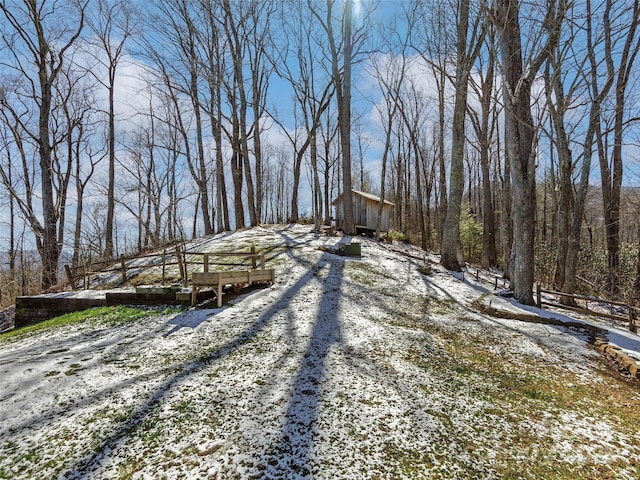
(368, 196)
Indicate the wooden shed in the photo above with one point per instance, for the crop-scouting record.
(365, 212)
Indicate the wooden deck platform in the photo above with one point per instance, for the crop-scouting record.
(34, 309)
(218, 280)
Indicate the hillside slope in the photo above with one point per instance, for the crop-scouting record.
(345, 368)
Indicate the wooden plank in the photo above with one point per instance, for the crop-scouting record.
(164, 266)
(227, 278)
(586, 311)
(582, 297)
(224, 254)
(236, 277)
(218, 280)
(205, 278)
(234, 274)
(267, 275)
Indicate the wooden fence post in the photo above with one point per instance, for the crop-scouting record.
(632, 320)
(164, 265)
(72, 282)
(181, 268)
(205, 260)
(184, 266)
(124, 270)
(253, 258)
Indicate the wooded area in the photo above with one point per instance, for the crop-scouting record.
(504, 131)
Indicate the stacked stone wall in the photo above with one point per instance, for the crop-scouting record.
(7, 318)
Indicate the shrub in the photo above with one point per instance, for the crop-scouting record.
(470, 234)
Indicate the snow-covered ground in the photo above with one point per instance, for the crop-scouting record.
(345, 368)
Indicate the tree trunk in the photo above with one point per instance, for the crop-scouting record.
(598, 96)
(221, 188)
(236, 170)
(317, 192)
(489, 256)
(450, 247)
(385, 154)
(297, 168)
(611, 177)
(12, 225)
(343, 87)
(111, 200)
(519, 143)
(565, 184)
(442, 179)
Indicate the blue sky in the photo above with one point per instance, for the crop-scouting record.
(132, 97)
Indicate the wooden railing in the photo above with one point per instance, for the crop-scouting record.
(176, 257)
(630, 318)
(491, 279)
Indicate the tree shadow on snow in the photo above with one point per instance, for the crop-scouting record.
(191, 318)
(291, 455)
(302, 409)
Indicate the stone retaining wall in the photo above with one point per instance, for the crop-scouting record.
(614, 354)
(31, 310)
(623, 361)
(7, 318)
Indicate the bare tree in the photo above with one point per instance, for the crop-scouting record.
(558, 104)
(389, 76)
(213, 44)
(173, 43)
(77, 110)
(260, 45)
(313, 89)
(412, 110)
(343, 92)
(469, 42)
(518, 75)
(112, 25)
(330, 156)
(564, 91)
(434, 42)
(597, 94)
(237, 44)
(6, 171)
(341, 51)
(611, 170)
(484, 125)
(39, 36)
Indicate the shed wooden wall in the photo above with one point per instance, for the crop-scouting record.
(365, 214)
